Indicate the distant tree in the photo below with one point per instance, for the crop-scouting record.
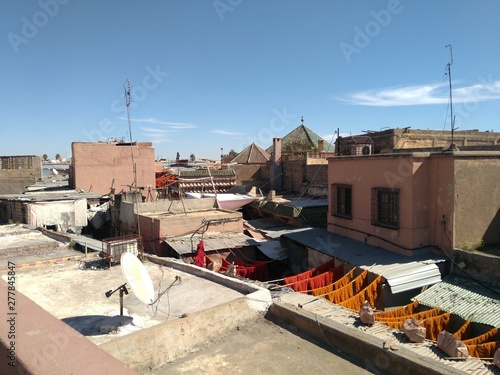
(58, 156)
(45, 157)
(229, 156)
(178, 156)
(192, 157)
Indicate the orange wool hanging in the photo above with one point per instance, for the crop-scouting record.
(370, 294)
(344, 280)
(482, 339)
(341, 294)
(399, 312)
(311, 273)
(486, 350)
(435, 325)
(397, 322)
(322, 291)
(463, 332)
(349, 290)
(301, 276)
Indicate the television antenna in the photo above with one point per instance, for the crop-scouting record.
(128, 100)
(452, 118)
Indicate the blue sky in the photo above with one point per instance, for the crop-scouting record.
(218, 74)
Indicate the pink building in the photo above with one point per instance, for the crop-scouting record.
(405, 202)
(104, 168)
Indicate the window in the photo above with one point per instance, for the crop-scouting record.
(385, 207)
(342, 200)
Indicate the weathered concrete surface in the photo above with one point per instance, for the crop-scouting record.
(17, 240)
(264, 347)
(152, 347)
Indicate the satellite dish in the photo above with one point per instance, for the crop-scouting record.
(137, 278)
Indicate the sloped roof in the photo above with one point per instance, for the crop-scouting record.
(462, 301)
(253, 154)
(301, 139)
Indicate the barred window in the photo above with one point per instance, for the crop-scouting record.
(385, 207)
(342, 200)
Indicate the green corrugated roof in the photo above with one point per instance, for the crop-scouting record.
(301, 139)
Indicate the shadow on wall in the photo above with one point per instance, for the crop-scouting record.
(492, 233)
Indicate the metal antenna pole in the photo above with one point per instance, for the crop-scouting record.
(128, 100)
(452, 120)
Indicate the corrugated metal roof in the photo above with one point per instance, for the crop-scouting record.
(409, 276)
(401, 272)
(307, 203)
(212, 241)
(462, 302)
(273, 250)
(272, 228)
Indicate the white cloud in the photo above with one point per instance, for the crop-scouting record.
(225, 132)
(434, 93)
(171, 125)
(155, 130)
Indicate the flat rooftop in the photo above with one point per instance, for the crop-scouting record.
(76, 295)
(202, 213)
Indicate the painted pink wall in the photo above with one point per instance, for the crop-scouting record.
(418, 223)
(446, 199)
(154, 228)
(441, 200)
(96, 164)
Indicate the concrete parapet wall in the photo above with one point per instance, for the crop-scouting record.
(216, 277)
(152, 347)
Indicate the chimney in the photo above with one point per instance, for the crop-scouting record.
(321, 146)
(276, 150)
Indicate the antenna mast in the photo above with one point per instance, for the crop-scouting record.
(452, 119)
(128, 100)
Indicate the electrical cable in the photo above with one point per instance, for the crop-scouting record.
(496, 292)
(162, 293)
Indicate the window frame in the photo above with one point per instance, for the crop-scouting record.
(341, 196)
(385, 207)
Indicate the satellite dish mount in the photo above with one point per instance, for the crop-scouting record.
(123, 290)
